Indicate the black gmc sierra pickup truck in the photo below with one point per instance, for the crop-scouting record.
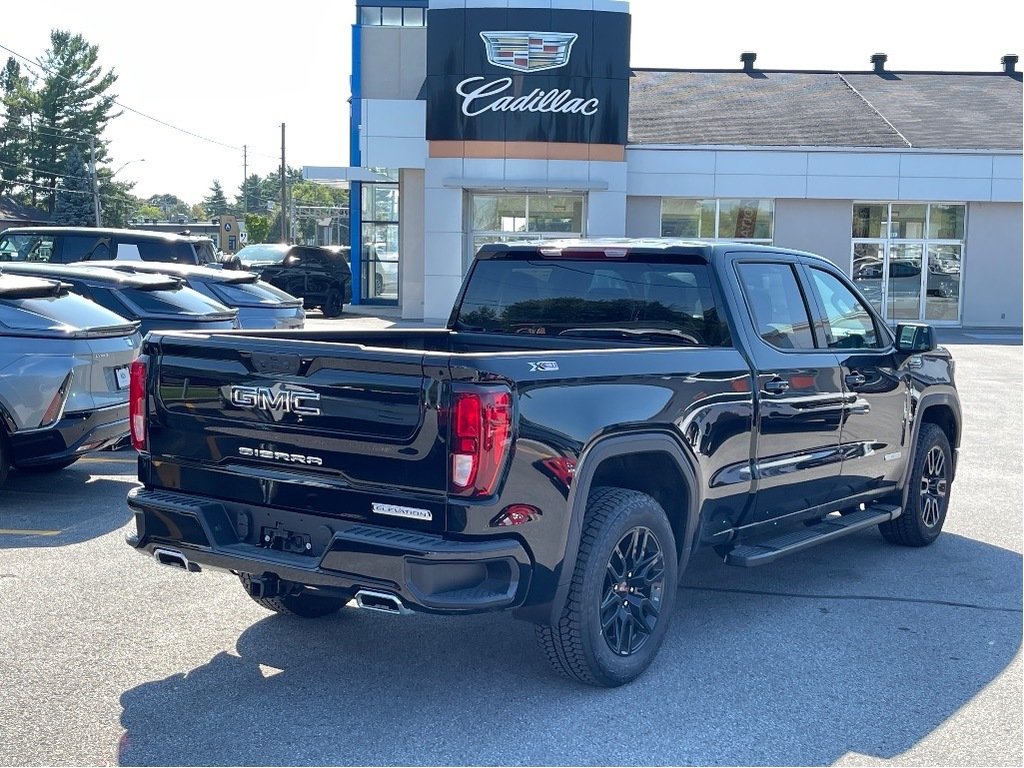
(593, 412)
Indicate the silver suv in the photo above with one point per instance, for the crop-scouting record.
(64, 374)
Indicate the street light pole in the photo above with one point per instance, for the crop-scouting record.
(95, 180)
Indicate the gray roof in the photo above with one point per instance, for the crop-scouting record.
(13, 212)
(935, 110)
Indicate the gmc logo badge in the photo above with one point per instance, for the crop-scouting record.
(278, 400)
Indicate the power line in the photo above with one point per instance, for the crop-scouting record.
(45, 173)
(123, 106)
(48, 189)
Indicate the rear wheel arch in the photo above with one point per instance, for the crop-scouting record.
(651, 463)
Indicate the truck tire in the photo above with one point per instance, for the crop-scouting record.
(622, 592)
(308, 605)
(928, 492)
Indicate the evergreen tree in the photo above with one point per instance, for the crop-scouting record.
(74, 197)
(250, 197)
(215, 203)
(73, 105)
(17, 100)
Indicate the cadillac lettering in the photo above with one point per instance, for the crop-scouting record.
(556, 100)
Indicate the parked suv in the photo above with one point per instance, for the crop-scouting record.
(64, 245)
(64, 367)
(321, 278)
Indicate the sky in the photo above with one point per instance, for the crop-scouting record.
(220, 76)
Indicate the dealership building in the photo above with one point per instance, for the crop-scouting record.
(476, 121)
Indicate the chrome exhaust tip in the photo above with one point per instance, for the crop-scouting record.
(175, 559)
(381, 601)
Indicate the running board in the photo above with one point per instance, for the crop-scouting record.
(763, 552)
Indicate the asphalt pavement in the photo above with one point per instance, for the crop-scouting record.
(854, 653)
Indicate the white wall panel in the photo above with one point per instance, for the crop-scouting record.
(1006, 167)
(752, 163)
(1006, 190)
(946, 166)
(668, 161)
(484, 168)
(439, 292)
(606, 214)
(525, 169)
(671, 185)
(381, 152)
(439, 169)
(394, 117)
(444, 210)
(613, 174)
(853, 187)
(740, 185)
(852, 164)
(956, 189)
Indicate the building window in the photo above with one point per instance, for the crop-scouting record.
(379, 257)
(391, 16)
(499, 218)
(906, 258)
(745, 219)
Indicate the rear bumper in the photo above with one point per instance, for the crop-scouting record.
(74, 434)
(427, 572)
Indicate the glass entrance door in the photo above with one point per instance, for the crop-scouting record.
(906, 259)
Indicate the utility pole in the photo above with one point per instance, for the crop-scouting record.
(245, 178)
(95, 180)
(284, 194)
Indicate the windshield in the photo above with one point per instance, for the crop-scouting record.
(241, 294)
(174, 301)
(267, 253)
(67, 312)
(663, 303)
(205, 253)
(26, 247)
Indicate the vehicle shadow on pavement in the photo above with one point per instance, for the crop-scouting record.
(859, 647)
(69, 506)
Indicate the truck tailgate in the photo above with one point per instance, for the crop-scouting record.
(339, 431)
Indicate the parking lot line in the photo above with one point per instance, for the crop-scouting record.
(27, 532)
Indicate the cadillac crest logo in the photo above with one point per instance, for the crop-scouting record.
(528, 51)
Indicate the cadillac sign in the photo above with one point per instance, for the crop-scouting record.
(528, 51)
(550, 75)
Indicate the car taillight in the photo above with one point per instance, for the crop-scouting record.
(481, 436)
(137, 403)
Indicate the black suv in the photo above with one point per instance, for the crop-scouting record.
(320, 277)
(64, 245)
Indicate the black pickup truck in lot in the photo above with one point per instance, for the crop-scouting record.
(593, 413)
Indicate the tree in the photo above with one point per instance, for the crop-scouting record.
(117, 203)
(74, 201)
(250, 197)
(73, 105)
(257, 226)
(148, 212)
(215, 203)
(18, 102)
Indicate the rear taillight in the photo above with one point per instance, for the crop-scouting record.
(481, 435)
(137, 403)
(60, 398)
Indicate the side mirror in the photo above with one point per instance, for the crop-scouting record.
(913, 338)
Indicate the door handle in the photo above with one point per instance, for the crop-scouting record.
(776, 386)
(855, 379)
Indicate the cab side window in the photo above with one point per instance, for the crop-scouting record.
(776, 304)
(82, 247)
(850, 323)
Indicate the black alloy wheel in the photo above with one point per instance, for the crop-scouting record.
(633, 590)
(927, 492)
(622, 591)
